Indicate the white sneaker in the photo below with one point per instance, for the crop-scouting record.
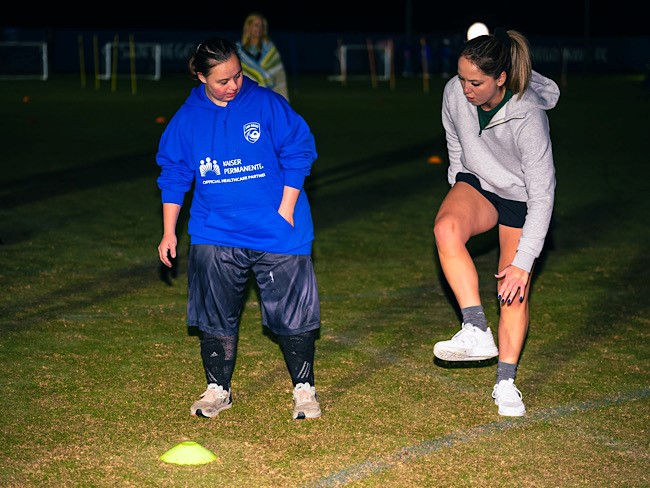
(469, 344)
(508, 398)
(213, 400)
(305, 402)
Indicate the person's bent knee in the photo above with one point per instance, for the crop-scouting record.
(445, 230)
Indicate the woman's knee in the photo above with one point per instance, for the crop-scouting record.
(446, 230)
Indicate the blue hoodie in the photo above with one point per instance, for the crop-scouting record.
(239, 158)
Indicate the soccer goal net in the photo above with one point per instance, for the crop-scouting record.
(23, 61)
(363, 61)
(128, 59)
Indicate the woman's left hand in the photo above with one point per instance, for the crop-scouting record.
(514, 282)
(287, 216)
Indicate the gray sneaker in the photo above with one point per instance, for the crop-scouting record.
(305, 402)
(213, 400)
(508, 398)
(469, 344)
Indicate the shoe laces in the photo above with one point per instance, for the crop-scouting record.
(214, 394)
(304, 392)
(506, 391)
(466, 335)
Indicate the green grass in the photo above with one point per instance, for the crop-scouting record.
(99, 372)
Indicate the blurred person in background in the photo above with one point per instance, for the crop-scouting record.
(502, 174)
(260, 58)
(246, 154)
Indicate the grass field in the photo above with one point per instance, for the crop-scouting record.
(98, 370)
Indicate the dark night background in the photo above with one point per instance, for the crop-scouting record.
(540, 18)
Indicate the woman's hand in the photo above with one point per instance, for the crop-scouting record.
(167, 249)
(288, 216)
(288, 203)
(514, 282)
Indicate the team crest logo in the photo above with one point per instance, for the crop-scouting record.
(252, 132)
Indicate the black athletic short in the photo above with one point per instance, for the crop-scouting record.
(217, 278)
(511, 212)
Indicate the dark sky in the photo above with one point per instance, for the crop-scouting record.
(542, 17)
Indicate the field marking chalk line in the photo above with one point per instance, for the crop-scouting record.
(412, 453)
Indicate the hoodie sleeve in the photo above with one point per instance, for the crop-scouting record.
(539, 175)
(176, 173)
(534, 142)
(295, 142)
(454, 148)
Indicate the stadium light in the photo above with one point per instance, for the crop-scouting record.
(477, 29)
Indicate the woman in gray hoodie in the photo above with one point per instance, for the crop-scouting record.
(502, 173)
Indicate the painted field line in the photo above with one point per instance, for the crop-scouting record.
(413, 453)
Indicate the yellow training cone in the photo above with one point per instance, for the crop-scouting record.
(188, 452)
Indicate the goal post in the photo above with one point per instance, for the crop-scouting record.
(23, 61)
(128, 59)
(372, 60)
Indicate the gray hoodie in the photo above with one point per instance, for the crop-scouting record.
(511, 157)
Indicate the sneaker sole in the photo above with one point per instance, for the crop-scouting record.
(302, 416)
(459, 356)
(509, 413)
(199, 412)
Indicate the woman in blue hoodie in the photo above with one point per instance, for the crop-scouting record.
(502, 174)
(246, 153)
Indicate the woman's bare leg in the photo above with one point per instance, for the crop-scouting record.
(464, 213)
(513, 326)
(513, 319)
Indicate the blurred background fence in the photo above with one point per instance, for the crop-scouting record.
(70, 51)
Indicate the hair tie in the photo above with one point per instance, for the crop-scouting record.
(502, 35)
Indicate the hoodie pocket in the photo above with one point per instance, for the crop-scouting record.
(259, 223)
